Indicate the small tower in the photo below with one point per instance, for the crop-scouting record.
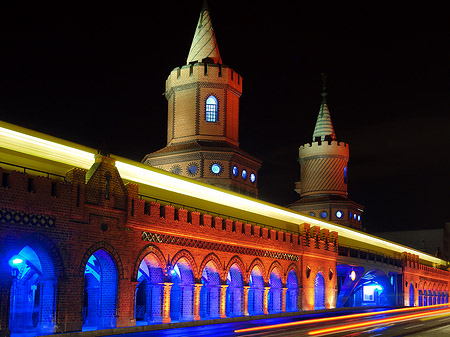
(324, 174)
(203, 119)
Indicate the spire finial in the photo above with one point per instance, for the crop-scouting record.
(204, 46)
(324, 85)
(324, 127)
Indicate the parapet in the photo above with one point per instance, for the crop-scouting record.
(204, 72)
(325, 148)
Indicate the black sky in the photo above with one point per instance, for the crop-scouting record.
(96, 79)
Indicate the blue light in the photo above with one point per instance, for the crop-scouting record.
(244, 174)
(235, 171)
(339, 214)
(216, 168)
(16, 261)
(252, 177)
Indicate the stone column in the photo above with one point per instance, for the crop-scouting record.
(283, 300)
(266, 300)
(223, 298)
(246, 289)
(197, 289)
(166, 302)
(47, 306)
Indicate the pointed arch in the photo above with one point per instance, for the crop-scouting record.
(279, 271)
(258, 262)
(293, 267)
(236, 260)
(189, 258)
(215, 259)
(102, 245)
(149, 249)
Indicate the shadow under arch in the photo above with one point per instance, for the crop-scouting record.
(234, 297)
(211, 287)
(275, 295)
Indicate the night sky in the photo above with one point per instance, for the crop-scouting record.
(100, 79)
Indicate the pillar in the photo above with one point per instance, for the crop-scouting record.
(5, 288)
(283, 300)
(266, 300)
(223, 298)
(166, 302)
(197, 289)
(47, 306)
(246, 289)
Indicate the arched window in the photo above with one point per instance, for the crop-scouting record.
(211, 109)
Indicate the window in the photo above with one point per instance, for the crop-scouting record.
(323, 214)
(235, 171)
(211, 109)
(252, 177)
(244, 174)
(345, 175)
(216, 168)
(339, 214)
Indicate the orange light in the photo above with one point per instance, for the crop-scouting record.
(337, 318)
(378, 321)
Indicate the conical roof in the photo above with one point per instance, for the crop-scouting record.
(204, 44)
(324, 126)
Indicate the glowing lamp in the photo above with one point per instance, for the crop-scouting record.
(379, 288)
(15, 261)
(353, 275)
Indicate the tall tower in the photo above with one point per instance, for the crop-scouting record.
(324, 174)
(203, 119)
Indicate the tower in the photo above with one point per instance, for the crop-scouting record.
(324, 174)
(203, 119)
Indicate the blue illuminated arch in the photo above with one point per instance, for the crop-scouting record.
(275, 292)
(182, 291)
(319, 292)
(292, 291)
(211, 109)
(234, 292)
(256, 292)
(210, 291)
(411, 295)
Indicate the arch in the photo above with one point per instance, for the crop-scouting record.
(34, 286)
(182, 292)
(319, 292)
(277, 266)
(211, 109)
(100, 291)
(236, 260)
(149, 291)
(257, 262)
(148, 249)
(292, 291)
(256, 290)
(102, 245)
(210, 291)
(235, 290)
(189, 258)
(275, 295)
(411, 294)
(420, 298)
(215, 259)
(430, 297)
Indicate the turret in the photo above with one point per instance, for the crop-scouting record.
(203, 119)
(324, 174)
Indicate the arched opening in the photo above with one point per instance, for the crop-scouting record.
(411, 295)
(182, 292)
(234, 293)
(149, 292)
(319, 292)
(256, 292)
(275, 292)
(33, 292)
(210, 292)
(434, 297)
(420, 298)
(292, 292)
(430, 297)
(100, 292)
(438, 297)
(211, 109)
(425, 298)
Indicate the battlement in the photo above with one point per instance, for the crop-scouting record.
(204, 72)
(324, 148)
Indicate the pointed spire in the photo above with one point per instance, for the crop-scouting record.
(204, 44)
(324, 126)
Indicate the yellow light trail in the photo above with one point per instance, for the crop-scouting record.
(377, 321)
(331, 319)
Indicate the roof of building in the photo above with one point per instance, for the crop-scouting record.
(204, 46)
(324, 126)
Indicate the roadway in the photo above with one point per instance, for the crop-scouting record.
(410, 321)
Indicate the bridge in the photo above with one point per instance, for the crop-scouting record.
(91, 241)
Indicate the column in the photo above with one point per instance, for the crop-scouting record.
(166, 302)
(283, 300)
(197, 289)
(47, 306)
(266, 300)
(223, 298)
(246, 289)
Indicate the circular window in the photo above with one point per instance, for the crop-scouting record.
(192, 169)
(176, 169)
(339, 214)
(235, 170)
(244, 174)
(323, 214)
(252, 177)
(216, 168)
(312, 213)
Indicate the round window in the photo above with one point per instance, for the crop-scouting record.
(244, 174)
(312, 213)
(192, 169)
(252, 177)
(216, 168)
(339, 214)
(323, 214)
(235, 170)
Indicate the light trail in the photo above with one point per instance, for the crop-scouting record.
(337, 318)
(377, 321)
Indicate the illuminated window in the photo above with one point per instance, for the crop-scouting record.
(216, 168)
(323, 214)
(345, 175)
(312, 213)
(235, 170)
(192, 169)
(244, 174)
(252, 177)
(339, 214)
(211, 109)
